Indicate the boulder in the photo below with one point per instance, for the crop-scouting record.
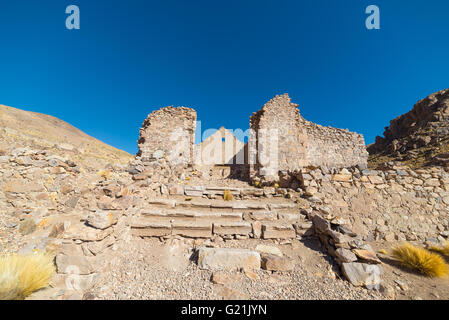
(102, 219)
(275, 263)
(362, 274)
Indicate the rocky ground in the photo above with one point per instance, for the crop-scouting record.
(151, 269)
(156, 270)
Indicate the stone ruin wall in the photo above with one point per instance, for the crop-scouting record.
(300, 143)
(280, 115)
(334, 148)
(170, 133)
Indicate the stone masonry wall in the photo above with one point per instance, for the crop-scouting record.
(278, 138)
(299, 143)
(397, 204)
(169, 133)
(333, 147)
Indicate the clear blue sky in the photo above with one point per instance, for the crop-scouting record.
(223, 58)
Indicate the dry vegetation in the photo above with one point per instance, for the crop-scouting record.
(421, 260)
(20, 276)
(227, 196)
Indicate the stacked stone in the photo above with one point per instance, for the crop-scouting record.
(85, 247)
(397, 203)
(239, 220)
(299, 143)
(168, 132)
(334, 147)
(358, 261)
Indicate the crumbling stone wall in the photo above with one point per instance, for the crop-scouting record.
(334, 148)
(169, 133)
(277, 138)
(283, 140)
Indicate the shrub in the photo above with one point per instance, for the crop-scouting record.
(20, 276)
(227, 195)
(422, 260)
(444, 250)
(105, 174)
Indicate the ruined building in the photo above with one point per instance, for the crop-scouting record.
(280, 139)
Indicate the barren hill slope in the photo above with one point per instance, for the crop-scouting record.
(417, 138)
(19, 128)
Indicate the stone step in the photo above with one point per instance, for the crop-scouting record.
(232, 228)
(216, 214)
(273, 230)
(194, 229)
(199, 191)
(217, 205)
(147, 226)
(187, 215)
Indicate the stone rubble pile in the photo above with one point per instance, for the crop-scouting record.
(357, 260)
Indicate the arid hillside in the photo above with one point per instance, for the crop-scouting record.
(19, 128)
(418, 138)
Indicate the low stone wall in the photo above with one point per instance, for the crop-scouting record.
(395, 204)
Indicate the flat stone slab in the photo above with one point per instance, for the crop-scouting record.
(278, 231)
(276, 263)
(362, 274)
(162, 203)
(228, 259)
(74, 264)
(194, 229)
(263, 216)
(289, 216)
(191, 216)
(143, 222)
(277, 206)
(250, 206)
(233, 228)
(148, 228)
(193, 204)
(263, 248)
(194, 191)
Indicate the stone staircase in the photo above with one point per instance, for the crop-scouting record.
(202, 217)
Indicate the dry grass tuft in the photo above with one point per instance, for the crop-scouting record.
(20, 276)
(444, 250)
(422, 260)
(227, 195)
(105, 174)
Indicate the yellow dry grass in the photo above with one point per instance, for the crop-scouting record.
(20, 275)
(227, 195)
(105, 174)
(422, 260)
(444, 250)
